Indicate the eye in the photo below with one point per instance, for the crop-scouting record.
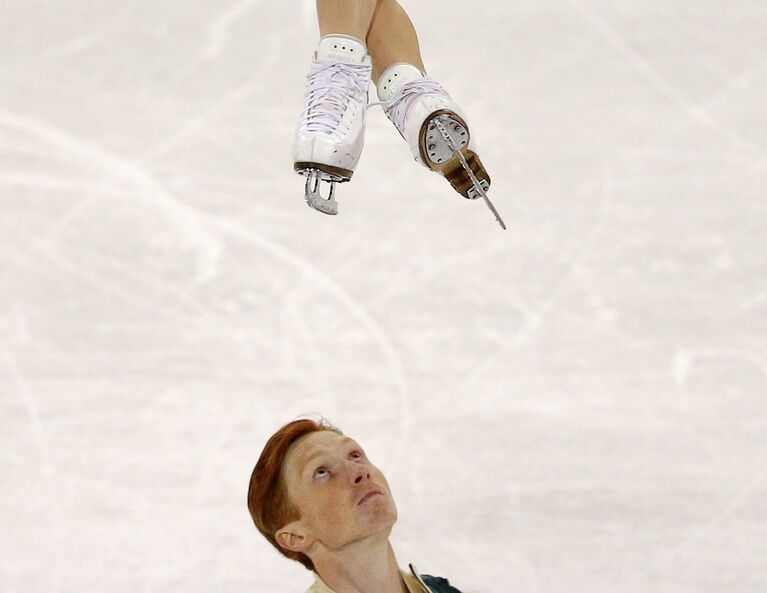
(359, 454)
(318, 470)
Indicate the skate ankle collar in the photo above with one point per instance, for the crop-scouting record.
(341, 48)
(394, 77)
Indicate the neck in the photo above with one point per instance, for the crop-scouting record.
(364, 567)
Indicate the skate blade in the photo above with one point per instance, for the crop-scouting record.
(320, 204)
(312, 195)
(465, 171)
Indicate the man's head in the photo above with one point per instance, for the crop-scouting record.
(306, 492)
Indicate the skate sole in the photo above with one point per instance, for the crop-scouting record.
(438, 156)
(336, 173)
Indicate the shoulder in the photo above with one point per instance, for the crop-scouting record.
(439, 584)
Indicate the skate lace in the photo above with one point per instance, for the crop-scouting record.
(327, 94)
(398, 107)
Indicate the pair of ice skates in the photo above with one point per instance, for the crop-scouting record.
(331, 132)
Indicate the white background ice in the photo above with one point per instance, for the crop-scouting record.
(575, 405)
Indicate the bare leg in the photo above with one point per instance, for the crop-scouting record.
(349, 17)
(392, 38)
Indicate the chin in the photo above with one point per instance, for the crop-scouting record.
(383, 521)
(390, 519)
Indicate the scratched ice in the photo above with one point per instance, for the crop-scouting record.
(577, 404)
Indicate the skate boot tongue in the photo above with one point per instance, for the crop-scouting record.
(341, 48)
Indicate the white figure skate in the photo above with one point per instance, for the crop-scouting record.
(331, 133)
(435, 128)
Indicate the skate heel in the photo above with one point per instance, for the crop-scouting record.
(460, 180)
(437, 154)
(330, 172)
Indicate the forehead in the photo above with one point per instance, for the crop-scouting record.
(309, 445)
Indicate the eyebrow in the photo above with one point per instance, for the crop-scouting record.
(306, 463)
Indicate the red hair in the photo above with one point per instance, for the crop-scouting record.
(268, 500)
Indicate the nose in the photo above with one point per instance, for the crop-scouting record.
(360, 473)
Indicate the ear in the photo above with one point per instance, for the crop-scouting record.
(294, 537)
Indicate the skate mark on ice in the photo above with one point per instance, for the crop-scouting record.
(372, 327)
(199, 123)
(48, 182)
(193, 235)
(317, 382)
(451, 265)
(696, 112)
(534, 321)
(28, 401)
(684, 360)
(717, 519)
(514, 557)
(80, 44)
(39, 435)
(202, 122)
(293, 312)
(218, 30)
(752, 302)
(15, 325)
(683, 365)
(739, 82)
(25, 259)
(99, 284)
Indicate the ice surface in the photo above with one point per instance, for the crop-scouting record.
(575, 405)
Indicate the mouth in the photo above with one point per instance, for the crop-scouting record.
(370, 495)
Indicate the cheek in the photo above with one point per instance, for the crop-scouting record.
(380, 478)
(313, 505)
(327, 507)
(334, 515)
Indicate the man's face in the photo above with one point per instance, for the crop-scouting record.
(327, 476)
